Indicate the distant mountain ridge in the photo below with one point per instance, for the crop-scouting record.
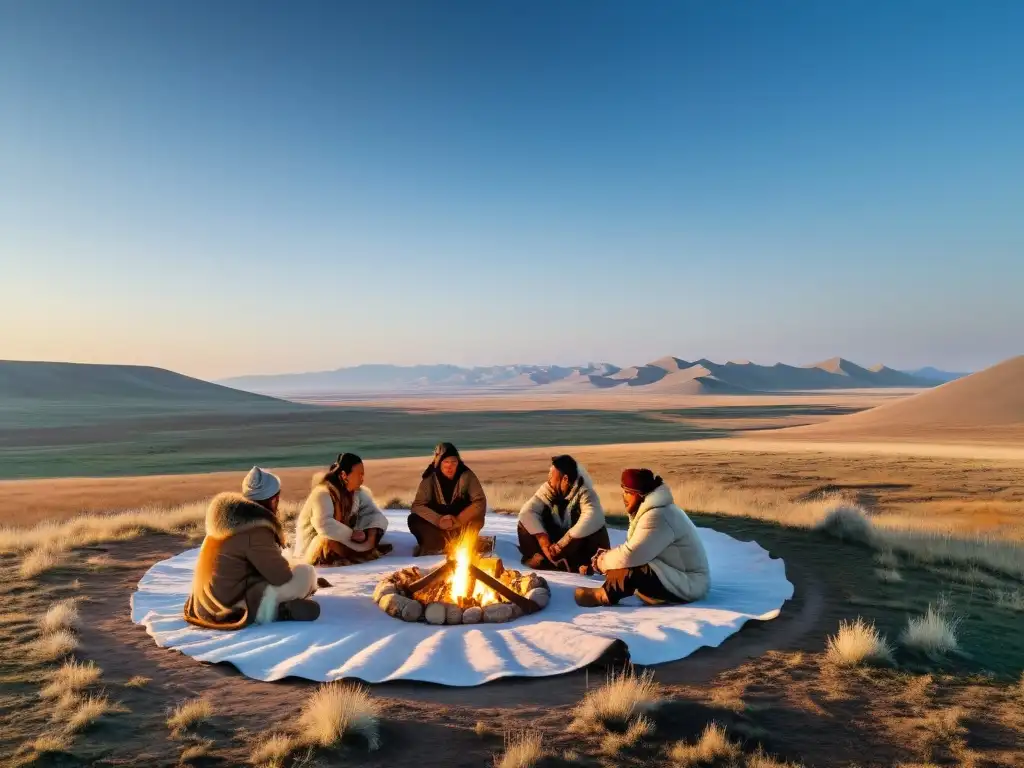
(667, 375)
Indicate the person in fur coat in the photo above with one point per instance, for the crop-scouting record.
(241, 576)
(449, 500)
(562, 526)
(663, 559)
(340, 524)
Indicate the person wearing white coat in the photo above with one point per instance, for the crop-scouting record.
(562, 526)
(662, 560)
(340, 524)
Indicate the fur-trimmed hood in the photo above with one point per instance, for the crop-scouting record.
(231, 513)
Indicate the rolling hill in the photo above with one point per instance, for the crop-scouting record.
(665, 375)
(985, 406)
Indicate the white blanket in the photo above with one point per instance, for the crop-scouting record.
(354, 639)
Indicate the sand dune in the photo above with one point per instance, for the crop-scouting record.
(986, 406)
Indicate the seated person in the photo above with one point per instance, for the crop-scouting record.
(241, 576)
(340, 524)
(563, 525)
(663, 559)
(449, 500)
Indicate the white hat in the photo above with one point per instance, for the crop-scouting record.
(260, 485)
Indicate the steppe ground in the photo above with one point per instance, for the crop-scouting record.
(921, 541)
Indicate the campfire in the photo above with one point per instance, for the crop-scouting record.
(469, 587)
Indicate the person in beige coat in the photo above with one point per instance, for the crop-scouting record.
(241, 576)
(663, 559)
(340, 523)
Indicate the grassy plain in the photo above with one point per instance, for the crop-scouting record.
(107, 439)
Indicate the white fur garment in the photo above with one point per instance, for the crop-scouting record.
(354, 639)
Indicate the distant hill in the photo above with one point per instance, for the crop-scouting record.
(934, 374)
(665, 375)
(984, 406)
(42, 382)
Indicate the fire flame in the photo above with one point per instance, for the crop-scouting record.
(465, 554)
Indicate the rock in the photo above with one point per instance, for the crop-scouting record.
(530, 581)
(384, 588)
(516, 611)
(394, 604)
(540, 596)
(472, 615)
(413, 611)
(453, 614)
(435, 613)
(497, 613)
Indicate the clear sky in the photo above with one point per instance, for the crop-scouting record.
(241, 187)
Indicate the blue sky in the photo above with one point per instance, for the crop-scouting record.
(234, 187)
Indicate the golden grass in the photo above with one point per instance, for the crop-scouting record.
(53, 646)
(189, 713)
(761, 760)
(61, 615)
(39, 561)
(272, 750)
(196, 751)
(88, 711)
(857, 642)
(50, 743)
(138, 681)
(481, 729)
(933, 634)
(335, 711)
(523, 749)
(72, 677)
(712, 746)
(624, 695)
(613, 743)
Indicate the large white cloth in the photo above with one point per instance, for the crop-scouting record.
(354, 639)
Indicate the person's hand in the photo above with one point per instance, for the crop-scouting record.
(595, 561)
(556, 550)
(446, 523)
(358, 536)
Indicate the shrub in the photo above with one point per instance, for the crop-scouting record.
(335, 711)
(855, 643)
(933, 634)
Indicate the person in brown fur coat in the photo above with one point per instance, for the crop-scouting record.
(241, 576)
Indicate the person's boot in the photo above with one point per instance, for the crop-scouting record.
(302, 609)
(322, 583)
(592, 597)
(385, 548)
(650, 600)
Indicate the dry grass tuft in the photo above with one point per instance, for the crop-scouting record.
(335, 711)
(847, 522)
(622, 697)
(481, 729)
(89, 711)
(271, 751)
(857, 642)
(888, 576)
(523, 749)
(760, 760)
(39, 561)
(712, 746)
(570, 755)
(933, 634)
(1009, 598)
(887, 559)
(614, 743)
(54, 646)
(72, 677)
(195, 751)
(139, 681)
(50, 743)
(61, 615)
(189, 713)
